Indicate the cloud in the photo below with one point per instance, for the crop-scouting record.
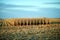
(18, 7)
(43, 12)
(23, 9)
(10, 5)
(52, 3)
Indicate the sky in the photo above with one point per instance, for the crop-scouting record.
(29, 8)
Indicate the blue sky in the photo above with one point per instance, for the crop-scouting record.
(29, 8)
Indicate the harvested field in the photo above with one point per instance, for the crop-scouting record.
(30, 32)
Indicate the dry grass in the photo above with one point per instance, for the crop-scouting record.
(10, 31)
(17, 21)
(34, 32)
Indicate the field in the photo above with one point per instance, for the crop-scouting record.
(30, 32)
(30, 29)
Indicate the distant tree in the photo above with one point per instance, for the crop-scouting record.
(1, 23)
(41, 21)
(44, 20)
